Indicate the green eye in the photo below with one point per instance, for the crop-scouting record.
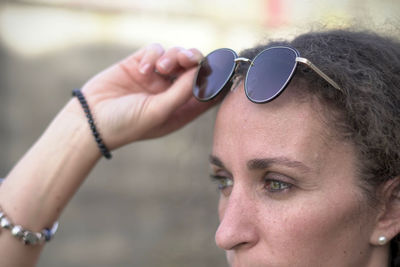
(222, 182)
(276, 186)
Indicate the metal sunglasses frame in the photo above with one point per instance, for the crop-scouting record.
(243, 59)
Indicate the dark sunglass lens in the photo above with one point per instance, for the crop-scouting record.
(269, 73)
(214, 72)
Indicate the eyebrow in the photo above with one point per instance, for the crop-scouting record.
(214, 160)
(265, 163)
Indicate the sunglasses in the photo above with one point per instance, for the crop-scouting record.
(268, 75)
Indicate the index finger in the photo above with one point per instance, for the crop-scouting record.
(188, 58)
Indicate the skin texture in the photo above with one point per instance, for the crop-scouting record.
(132, 100)
(147, 95)
(318, 216)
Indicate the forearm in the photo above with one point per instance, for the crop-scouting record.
(44, 180)
(129, 104)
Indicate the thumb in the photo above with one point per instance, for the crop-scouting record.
(177, 95)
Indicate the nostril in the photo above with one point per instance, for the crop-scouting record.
(241, 245)
(224, 237)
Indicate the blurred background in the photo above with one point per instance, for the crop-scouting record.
(153, 204)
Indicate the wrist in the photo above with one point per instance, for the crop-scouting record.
(70, 127)
(44, 180)
(70, 133)
(92, 125)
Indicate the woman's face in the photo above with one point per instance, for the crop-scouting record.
(289, 193)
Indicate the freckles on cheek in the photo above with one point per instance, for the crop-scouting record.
(318, 229)
(293, 237)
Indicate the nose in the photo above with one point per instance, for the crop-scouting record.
(238, 221)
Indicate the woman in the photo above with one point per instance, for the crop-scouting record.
(311, 178)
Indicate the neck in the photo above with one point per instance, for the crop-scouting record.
(380, 256)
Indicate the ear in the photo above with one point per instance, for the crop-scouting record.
(388, 220)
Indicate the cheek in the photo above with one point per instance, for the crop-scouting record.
(319, 227)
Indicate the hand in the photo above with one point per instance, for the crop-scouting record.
(147, 95)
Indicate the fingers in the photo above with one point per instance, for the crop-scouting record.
(189, 58)
(153, 59)
(151, 54)
(169, 61)
(168, 101)
(140, 66)
(154, 68)
(177, 59)
(173, 61)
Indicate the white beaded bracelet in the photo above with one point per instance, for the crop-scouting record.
(26, 236)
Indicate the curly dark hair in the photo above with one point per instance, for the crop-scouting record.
(367, 66)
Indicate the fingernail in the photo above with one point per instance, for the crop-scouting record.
(189, 54)
(144, 68)
(165, 64)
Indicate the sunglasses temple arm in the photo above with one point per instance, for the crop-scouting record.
(319, 72)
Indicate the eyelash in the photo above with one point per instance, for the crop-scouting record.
(221, 181)
(283, 186)
(224, 182)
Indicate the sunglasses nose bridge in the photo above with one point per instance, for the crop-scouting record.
(242, 59)
(236, 78)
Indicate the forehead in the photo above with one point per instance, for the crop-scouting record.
(285, 127)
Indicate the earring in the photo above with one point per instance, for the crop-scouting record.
(382, 240)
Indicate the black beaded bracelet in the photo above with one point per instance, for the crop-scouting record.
(103, 149)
